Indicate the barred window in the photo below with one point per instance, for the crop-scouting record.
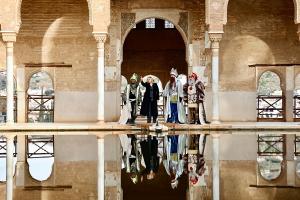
(169, 24)
(40, 98)
(270, 99)
(40, 108)
(150, 23)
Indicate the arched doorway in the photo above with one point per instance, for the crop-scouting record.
(153, 47)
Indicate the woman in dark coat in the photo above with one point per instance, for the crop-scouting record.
(151, 96)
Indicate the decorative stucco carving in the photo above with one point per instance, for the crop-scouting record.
(90, 7)
(127, 20)
(183, 22)
(215, 39)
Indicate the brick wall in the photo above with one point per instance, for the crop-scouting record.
(257, 32)
(58, 31)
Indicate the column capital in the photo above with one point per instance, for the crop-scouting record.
(215, 38)
(100, 36)
(9, 36)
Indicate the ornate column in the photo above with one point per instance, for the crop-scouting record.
(215, 41)
(9, 37)
(100, 38)
(9, 167)
(216, 167)
(100, 169)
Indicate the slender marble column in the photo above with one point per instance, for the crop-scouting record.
(101, 38)
(9, 167)
(215, 40)
(9, 37)
(10, 82)
(216, 167)
(101, 173)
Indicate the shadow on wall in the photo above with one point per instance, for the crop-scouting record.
(240, 52)
(49, 28)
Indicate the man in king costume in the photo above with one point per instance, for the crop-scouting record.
(194, 96)
(173, 93)
(132, 97)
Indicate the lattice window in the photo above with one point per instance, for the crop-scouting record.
(150, 23)
(169, 24)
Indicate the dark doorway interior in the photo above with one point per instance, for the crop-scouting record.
(153, 51)
(157, 189)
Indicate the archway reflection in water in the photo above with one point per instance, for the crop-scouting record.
(162, 166)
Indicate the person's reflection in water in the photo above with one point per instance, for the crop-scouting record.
(149, 151)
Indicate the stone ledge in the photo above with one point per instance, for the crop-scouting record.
(113, 128)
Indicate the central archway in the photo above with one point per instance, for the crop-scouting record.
(154, 50)
(153, 46)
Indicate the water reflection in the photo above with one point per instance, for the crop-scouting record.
(270, 155)
(3, 159)
(270, 167)
(40, 156)
(180, 155)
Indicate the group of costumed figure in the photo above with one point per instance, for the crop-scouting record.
(179, 154)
